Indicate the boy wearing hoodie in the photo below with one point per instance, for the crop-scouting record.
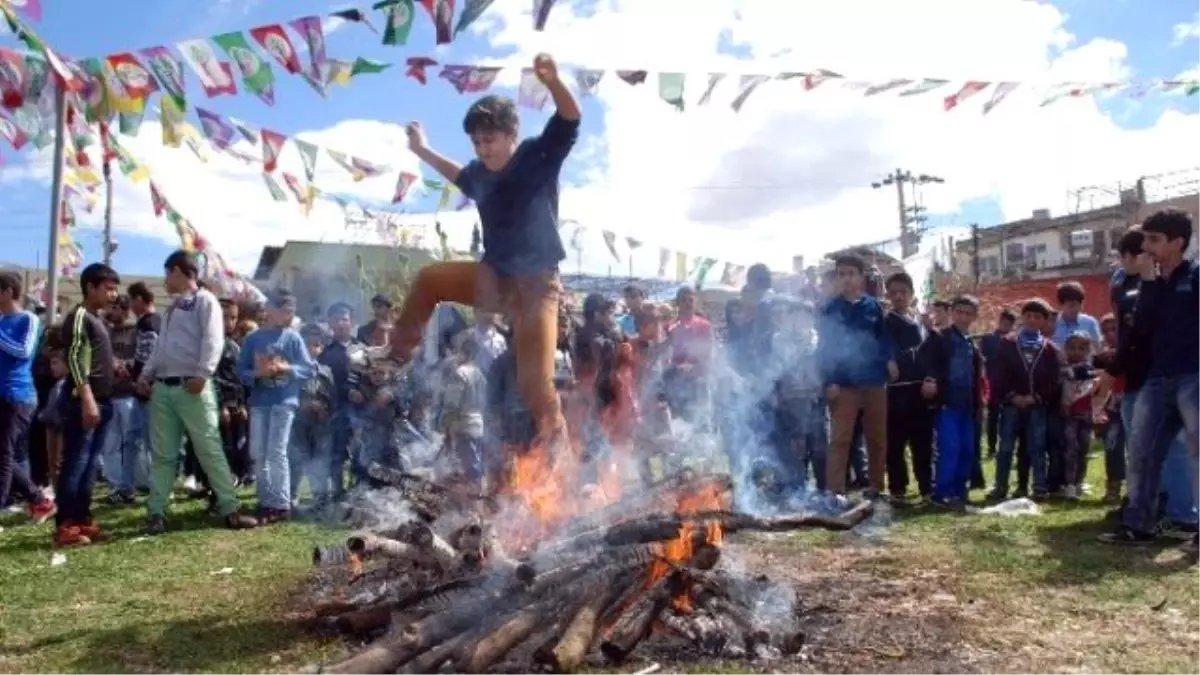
(957, 387)
(1029, 384)
(855, 351)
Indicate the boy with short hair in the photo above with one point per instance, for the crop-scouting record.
(1166, 314)
(957, 378)
(1071, 319)
(312, 438)
(1079, 388)
(1028, 383)
(231, 399)
(274, 363)
(910, 423)
(463, 401)
(801, 413)
(988, 345)
(515, 186)
(340, 354)
(855, 352)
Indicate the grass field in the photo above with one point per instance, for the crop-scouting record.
(941, 592)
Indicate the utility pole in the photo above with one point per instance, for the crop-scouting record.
(108, 212)
(975, 253)
(909, 237)
(56, 200)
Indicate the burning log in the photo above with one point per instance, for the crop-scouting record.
(565, 650)
(329, 556)
(361, 621)
(515, 629)
(634, 624)
(441, 550)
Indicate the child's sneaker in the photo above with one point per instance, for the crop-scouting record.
(42, 511)
(1127, 536)
(1112, 493)
(93, 532)
(69, 535)
(121, 499)
(1070, 493)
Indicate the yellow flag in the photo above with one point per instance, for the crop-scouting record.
(172, 122)
(445, 200)
(681, 266)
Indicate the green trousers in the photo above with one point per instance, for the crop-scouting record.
(172, 412)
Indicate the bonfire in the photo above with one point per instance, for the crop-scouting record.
(546, 577)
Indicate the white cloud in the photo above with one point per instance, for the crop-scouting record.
(1188, 30)
(789, 174)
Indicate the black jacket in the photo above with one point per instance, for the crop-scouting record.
(911, 349)
(937, 352)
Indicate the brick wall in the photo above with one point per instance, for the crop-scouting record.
(994, 297)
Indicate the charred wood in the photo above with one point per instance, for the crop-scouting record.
(634, 624)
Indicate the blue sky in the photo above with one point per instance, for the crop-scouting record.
(79, 28)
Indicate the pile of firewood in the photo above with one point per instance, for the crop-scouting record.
(440, 591)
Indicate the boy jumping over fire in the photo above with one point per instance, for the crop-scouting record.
(514, 184)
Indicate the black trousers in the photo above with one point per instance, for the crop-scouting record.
(993, 426)
(909, 425)
(15, 419)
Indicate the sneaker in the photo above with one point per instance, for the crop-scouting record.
(121, 499)
(1021, 493)
(996, 496)
(93, 532)
(1177, 530)
(1192, 546)
(42, 511)
(190, 485)
(948, 503)
(1040, 496)
(1070, 493)
(156, 525)
(1127, 536)
(1084, 489)
(1112, 493)
(240, 521)
(271, 516)
(69, 535)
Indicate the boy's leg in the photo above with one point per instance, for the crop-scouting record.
(465, 282)
(875, 417)
(125, 419)
(1114, 456)
(1187, 401)
(339, 453)
(921, 439)
(968, 447)
(1004, 454)
(167, 437)
(14, 433)
(1036, 433)
(1181, 504)
(843, 412)
(1155, 424)
(76, 442)
(1055, 451)
(899, 428)
(1085, 435)
(947, 473)
(993, 426)
(277, 494)
(1071, 451)
(300, 456)
(319, 463)
(94, 452)
(199, 416)
(534, 304)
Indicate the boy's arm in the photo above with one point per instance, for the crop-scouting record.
(562, 129)
(883, 337)
(299, 360)
(245, 362)
(22, 340)
(213, 326)
(448, 168)
(79, 350)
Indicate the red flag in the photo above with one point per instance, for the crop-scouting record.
(135, 77)
(14, 77)
(968, 90)
(157, 201)
(416, 68)
(442, 12)
(272, 142)
(275, 41)
(405, 181)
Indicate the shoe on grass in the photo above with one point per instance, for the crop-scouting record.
(69, 535)
(1127, 536)
(91, 530)
(42, 511)
(1177, 530)
(156, 525)
(121, 499)
(240, 521)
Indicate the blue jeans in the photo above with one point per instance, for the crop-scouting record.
(1033, 421)
(802, 427)
(310, 449)
(270, 429)
(957, 443)
(1114, 446)
(339, 451)
(467, 451)
(81, 452)
(1161, 437)
(370, 438)
(126, 454)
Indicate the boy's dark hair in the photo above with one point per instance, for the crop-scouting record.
(492, 113)
(338, 309)
(11, 281)
(1070, 291)
(634, 290)
(1007, 314)
(141, 291)
(965, 300)
(850, 261)
(1037, 306)
(122, 302)
(941, 304)
(1078, 336)
(226, 303)
(96, 274)
(183, 261)
(312, 330)
(1130, 242)
(758, 277)
(1171, 223)
(899, 278)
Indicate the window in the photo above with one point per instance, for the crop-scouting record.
(1014, 252)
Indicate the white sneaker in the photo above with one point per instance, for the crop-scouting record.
(190, 484)
(1071, 493)
(1085, 489)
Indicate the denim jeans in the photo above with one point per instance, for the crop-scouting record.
(1033, 421)
(1114, 446)
(126, 454)
(370, 437)
(339, 451)
(1180, 503)
(270, 429)
(957, 448)
(81, 453)
(310, 447)
(1077, 437)
(1164, 406)
(15, 420)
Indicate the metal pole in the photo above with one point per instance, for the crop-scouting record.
(56, 198)
(904, 238)
(975, 252)
(108, 212)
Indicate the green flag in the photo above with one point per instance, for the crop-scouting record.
(399, 15)
(472, 11)
(277, 192)
(308, 154)
(702, 271)
(1192, 88)
(368, 66)
(256, 73)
